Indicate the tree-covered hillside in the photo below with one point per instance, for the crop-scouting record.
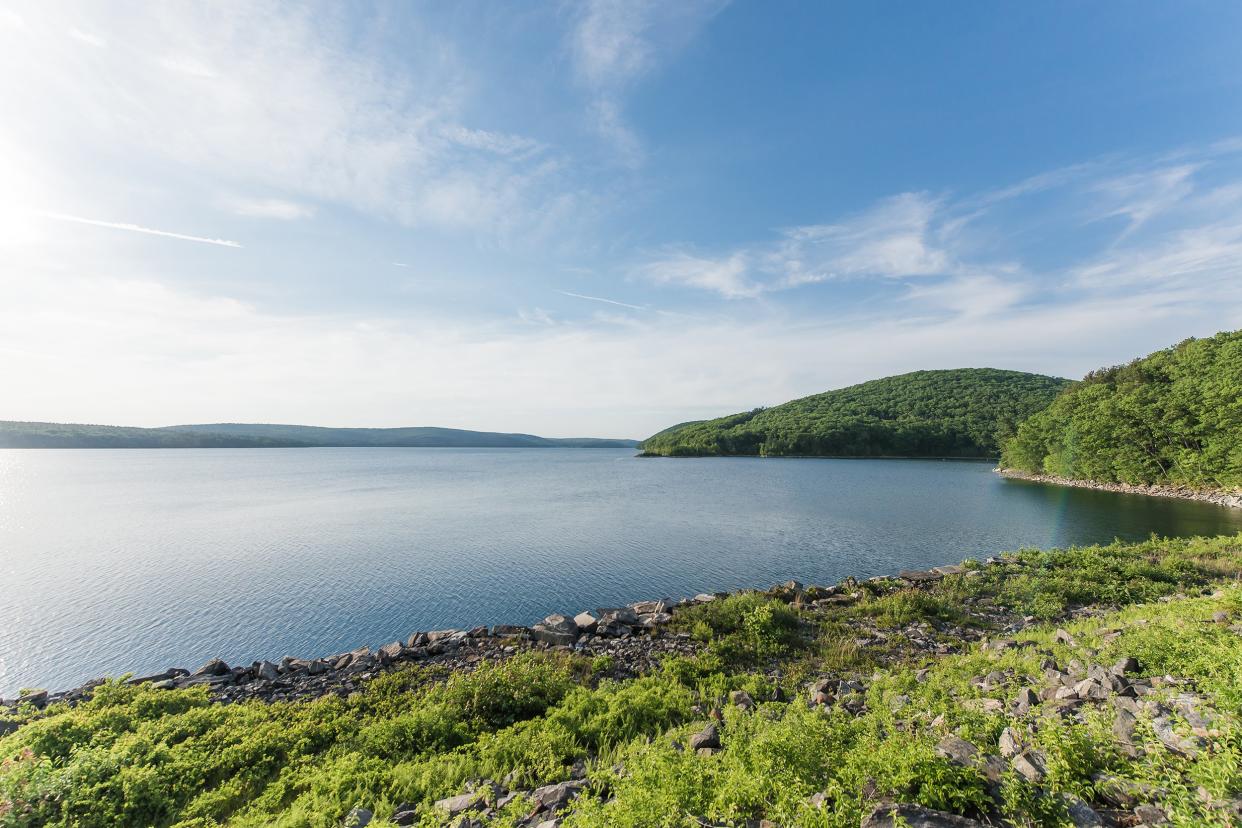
(71, 435)
(1172, 417)
(408, 437)
(966, 412)
(244, 435)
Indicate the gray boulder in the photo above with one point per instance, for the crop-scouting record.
(557, 796)
(708, 737)
(215, 667)
(556, 629)
(460, 804)
(586, 621)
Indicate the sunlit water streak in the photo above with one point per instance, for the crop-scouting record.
(136, 560)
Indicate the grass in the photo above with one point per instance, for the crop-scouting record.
(137, 756)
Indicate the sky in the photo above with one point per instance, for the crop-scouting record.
(598, 218)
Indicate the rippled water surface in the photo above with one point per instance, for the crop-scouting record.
(137, 560)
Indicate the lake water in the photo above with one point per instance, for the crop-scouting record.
(137, 560)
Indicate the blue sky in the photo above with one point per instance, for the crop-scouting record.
(598, 218)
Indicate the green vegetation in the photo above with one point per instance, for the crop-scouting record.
(141, 756)
(240, 435)
(1172, 417)
(968, 412)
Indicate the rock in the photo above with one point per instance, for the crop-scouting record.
(510, 631)
(1151, 815)
(649, 607)
(554, 797)
(37, 699)
(1127, 665)
(267, 671)
(358, 818)
(1123, 727)
(1010, 744)
(919, 576)
(556, 629)
(1031, 766)
(1090, 689)
(1025, 701)
(215, 667)
(993, 768)
(985, 705)
(1063, 637)
(460, 804)
(704, 598)
(1186, 745)
(654, 619)
(741, 699)
(708, 737)
(1123, 793)
(164, 676)
(957, 749)
(1220, 617)
(440, 635)
(915, 816)
(7, 727)
(587, 622)
(404, 815)
(1081, 815)
(620, 615)
(392, 651)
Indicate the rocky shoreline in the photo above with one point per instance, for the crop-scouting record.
(625, 642)
(1219, 497)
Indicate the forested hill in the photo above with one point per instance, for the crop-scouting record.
(72, 435)
(1172, 417)
(412, 437)
(239, 435)
(965, 412)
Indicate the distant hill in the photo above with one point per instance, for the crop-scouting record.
(71, 435)
(413, 437)
(242, 435)
(1174, 416)
(965, 412)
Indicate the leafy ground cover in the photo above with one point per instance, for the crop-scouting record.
(809, 707)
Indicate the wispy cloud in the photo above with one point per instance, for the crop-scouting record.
(137, 228)
(272, 208)
(893, 239)
(1045, 239)
(729, 276)
(602, 299)
(88, 38)
(276, 98)
(614, 43)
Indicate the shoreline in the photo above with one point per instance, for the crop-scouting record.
(633, 638)
(1218, 497)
